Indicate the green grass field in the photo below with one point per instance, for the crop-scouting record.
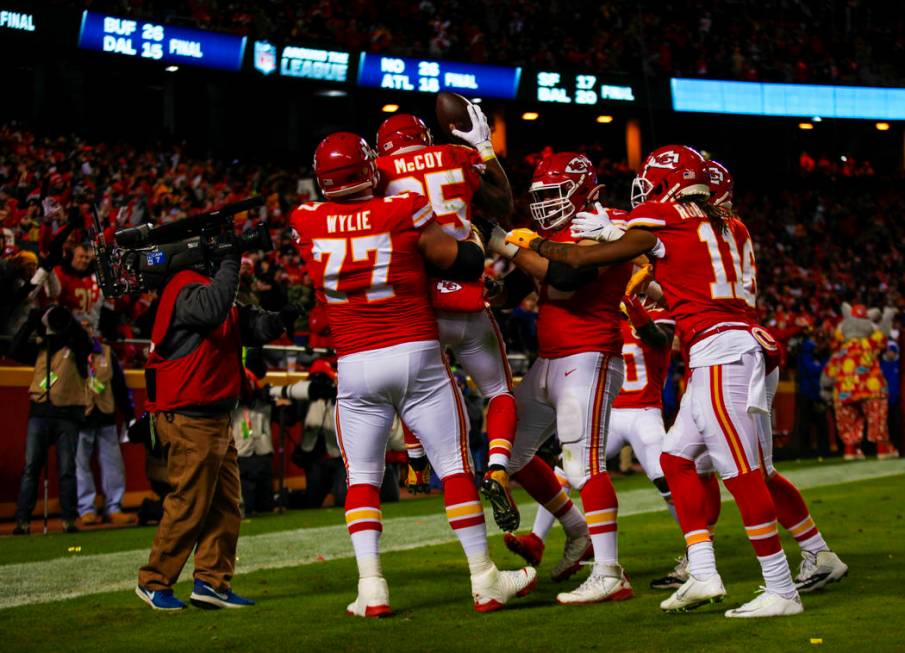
(299, 568)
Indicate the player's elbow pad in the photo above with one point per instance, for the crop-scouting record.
(469, 263)
(564, 277)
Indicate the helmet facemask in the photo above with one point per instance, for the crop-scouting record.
(641, 188)
(552, 206)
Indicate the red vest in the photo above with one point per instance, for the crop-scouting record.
(210, 374)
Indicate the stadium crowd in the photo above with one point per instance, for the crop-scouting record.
(846, 41)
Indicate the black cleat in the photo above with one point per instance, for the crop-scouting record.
(495, 488)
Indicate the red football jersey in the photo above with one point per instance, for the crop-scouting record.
(645, 366)
(585, 320)
(702, 270)
(367, 269)
(78, 294)
(448, 176)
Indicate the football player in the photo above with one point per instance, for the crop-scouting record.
(819, 565)
(637, 415)
(366, 257)
(701, 271)
(453, 178)
(570, 388)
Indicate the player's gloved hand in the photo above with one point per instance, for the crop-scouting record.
(320, 386)
(639, 278)
(497, 242)
(479, 134)
(418, 478)
(635, 310)
(522, 237)
(595, 225)
(289, 315)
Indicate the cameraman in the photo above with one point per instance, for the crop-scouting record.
(194, 376)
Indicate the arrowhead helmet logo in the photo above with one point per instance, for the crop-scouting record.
(578, 165)
(446, 287)
(667, 160)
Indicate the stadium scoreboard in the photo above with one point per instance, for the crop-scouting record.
(432, 76)
(302, 62)
(157, 42)
(568, 88)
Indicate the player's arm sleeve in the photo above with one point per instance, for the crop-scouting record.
(566, 278)
(658, 334)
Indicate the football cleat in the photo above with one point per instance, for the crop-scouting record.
(495, 488)
(819, 570)
(418, 478)
(767, 604)
(529, 546)
(694, 593)
(886, 451)
(493, 588)
(577, 550)
(853, 452)
(373, 599)
(606, 583)
(674, 579)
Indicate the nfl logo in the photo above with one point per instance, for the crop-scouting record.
(265, 57)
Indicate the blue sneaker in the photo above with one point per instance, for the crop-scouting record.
(159, 599)
(207, 598)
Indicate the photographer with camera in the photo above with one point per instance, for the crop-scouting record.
(194, 378)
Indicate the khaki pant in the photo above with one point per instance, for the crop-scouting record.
(202, 511)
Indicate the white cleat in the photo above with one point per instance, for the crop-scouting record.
(674, 579)
(493, 588)
(606, 583)
(819, 570)
(373, 599)
(694, 593)
(577, 550)
(767, 604)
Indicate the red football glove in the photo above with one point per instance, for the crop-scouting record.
(636, 312)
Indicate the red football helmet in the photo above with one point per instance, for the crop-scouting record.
(402, 130)
(344, 164)
(669, 173)
(561, 185)
(721, 184)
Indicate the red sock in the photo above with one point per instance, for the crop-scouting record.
(689, 497)
(598, 497)
(792, 512)
(501, 422)
(757, 510)
(541, 483)
(712, 504)
(412, 444)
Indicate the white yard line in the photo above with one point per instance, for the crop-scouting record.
(64, 578)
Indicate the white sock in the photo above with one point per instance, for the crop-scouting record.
(814, 544)
(479, 562)
(543, 521)
(702, 560)
(777, 575)
(573, 522)
(368, 566)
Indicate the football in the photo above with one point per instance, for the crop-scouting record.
(452, 109)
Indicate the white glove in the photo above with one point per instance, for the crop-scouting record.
(497, 243)
(595, 225)
(479, 135)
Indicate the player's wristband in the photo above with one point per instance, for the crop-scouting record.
(536, 244)
(485, 149)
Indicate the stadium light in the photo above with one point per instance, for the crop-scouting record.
(816, 119)
(331, 92)
(171, 69)
(604, 120)
(805, 125)
(882, 126)
(476, 100)
(390, 108)
(530, 115)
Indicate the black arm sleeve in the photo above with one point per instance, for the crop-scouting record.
(656, 335)
(518, 285)
(121, 392)
(258, 327)
(206, 307)
(564, 277)
(469, 263)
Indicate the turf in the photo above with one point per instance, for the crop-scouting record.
(301, 607)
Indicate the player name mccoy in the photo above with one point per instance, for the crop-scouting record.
(359, 221)
(420, 162)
